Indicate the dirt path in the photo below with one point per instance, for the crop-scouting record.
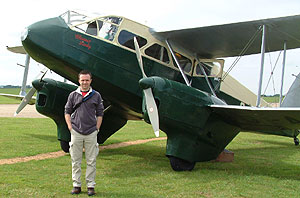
(61, 153)
(8, 110)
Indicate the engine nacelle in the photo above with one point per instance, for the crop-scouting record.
(51, 99)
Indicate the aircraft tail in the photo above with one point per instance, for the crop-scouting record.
(292, 98)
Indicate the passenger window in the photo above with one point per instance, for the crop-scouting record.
(212, 67)
(158, 52)
(184, 62)
(126, 39)
(206, 68)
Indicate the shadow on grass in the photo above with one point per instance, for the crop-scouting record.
(274, 160)
(48, 138)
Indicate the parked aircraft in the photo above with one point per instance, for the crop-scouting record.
(173, 80)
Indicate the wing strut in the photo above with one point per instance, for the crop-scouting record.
(261, 65)
(178, 65)
(282, 74)
(26, 69)
(206, 78)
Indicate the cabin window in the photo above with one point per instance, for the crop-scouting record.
(126, 39)
(212, 67)
(158, 52)
(184, 62)
(207, 68)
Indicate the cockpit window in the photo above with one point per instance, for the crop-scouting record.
(105, 28)
(92, 28)
(126, 39)
(112, 19)
(108, 27)
(158, 52)
(73, 18)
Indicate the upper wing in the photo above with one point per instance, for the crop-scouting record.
(259, 119)
(19, 97)
(230, 39)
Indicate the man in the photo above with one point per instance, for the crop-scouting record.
(83, 115)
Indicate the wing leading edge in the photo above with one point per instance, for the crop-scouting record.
(19, 97)
(259, 119)
(230, 39)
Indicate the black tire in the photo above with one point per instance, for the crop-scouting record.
(64, 146)
(178, 164)
(296, 141)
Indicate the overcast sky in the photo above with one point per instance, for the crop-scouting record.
(160, 15)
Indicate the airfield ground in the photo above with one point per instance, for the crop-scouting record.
(8, 110)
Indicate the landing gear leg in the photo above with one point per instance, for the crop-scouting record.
(64, 146)
(296, 141)
(178, 164)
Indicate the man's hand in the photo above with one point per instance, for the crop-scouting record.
(68, 121)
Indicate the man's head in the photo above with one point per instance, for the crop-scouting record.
(85, 79)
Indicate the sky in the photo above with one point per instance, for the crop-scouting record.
(162, 16)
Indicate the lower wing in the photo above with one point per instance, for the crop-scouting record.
(259, 119)
(19, 97)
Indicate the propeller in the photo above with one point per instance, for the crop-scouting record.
(31, 92)
(150, 102)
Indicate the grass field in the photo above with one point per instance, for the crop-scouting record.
(6, 100)
(264, 166)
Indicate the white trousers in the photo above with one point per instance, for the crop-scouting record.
(89, 143)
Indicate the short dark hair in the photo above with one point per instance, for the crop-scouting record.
(85, 72)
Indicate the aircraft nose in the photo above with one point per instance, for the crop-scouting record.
(43, 38)
(24, 34)
(38, 84)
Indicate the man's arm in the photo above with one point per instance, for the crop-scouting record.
(99, 122)
(68, 121)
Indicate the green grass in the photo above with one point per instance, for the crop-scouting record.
(271, 99)
(264, 166)
(6, 100)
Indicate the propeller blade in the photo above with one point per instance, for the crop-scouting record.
(150, 102)
(152, 110)
(25, 100)
(31, 92)
(139, 56)
(42, 74)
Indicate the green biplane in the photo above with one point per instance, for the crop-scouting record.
(173, 80)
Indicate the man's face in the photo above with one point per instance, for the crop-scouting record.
(85, 82)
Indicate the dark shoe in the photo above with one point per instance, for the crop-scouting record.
(76, 190)
(91, 191)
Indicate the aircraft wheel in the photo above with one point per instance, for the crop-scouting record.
(178, 164)
(64, 146)
(296, 141)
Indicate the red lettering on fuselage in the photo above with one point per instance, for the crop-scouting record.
(83, 41)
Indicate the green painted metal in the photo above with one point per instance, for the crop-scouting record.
(194, 132)
(51, 99)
